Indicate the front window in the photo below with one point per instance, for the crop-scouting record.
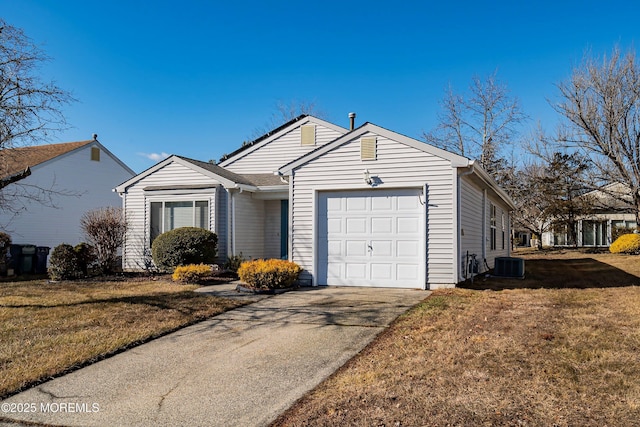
(166, 216)
(493, 227)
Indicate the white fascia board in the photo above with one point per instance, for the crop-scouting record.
(173, 158)
(492, 184)
(456, 160)
(123, 187)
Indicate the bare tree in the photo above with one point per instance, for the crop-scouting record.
(479, 126)
(30, 112)
(105, 229)
(552, 196)
(601, 102)
(285, 112)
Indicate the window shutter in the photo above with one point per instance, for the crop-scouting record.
(308, 135)
(367, 148)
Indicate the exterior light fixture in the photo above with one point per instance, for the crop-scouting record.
(367, 177)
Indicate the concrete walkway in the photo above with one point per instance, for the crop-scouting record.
(241, 368)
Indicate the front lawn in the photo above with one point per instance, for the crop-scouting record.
(549, 355)
(49, 328)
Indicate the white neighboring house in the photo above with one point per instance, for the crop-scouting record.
(597, 229)
(359, 207)
(80, 175)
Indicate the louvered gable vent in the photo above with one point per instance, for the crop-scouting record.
(308, 135)
(368, 148)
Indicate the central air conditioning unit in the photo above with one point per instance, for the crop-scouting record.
(509, 267)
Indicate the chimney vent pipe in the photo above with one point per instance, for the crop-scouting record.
(352, 120)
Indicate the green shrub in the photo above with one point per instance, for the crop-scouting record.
(233, 262)
(626, 244)
(182, 246)
(5, 243)
(192, 273)
(269, 274)
(86, 255)
(63, 263)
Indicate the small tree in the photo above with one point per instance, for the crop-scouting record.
(480, 125)
(105, 230)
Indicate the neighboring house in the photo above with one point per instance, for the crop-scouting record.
(360, 207)
(66, 180)
(597, 229)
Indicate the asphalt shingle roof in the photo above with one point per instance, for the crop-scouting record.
(15, 160)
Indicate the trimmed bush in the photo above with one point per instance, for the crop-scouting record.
(183, 246)
(63, 263)
(269, 274)
(5, 243)
(626, 244)
(192, 273)
(86, 255)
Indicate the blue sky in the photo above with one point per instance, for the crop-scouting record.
(197, 78)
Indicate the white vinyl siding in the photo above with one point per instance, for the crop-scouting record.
(470, 223)
(78, 185)
(136, 251)
(397, 166)
(249, 227)
(492, 253)
(279, 152)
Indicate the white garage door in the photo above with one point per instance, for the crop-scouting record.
(371, 238)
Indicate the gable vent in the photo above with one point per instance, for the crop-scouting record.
(95, 154)
(367, 148)
(308, 135)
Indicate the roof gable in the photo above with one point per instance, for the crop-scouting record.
(228, 179)
(14, 160)
(456, 160)
(277, 133)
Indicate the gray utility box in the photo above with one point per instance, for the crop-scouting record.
(509, 267)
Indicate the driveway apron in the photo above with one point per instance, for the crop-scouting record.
(241, 368)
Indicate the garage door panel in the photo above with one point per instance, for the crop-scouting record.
(407, 203)
(334, 247)
(381, 271)
(407, 272)
(382, 225)
(381, 204)
(356, 225)
(356, 248)
(334, 226)
(355, 271)
(381, 248)
(373, 238)
(408, 225)
(356, 204)
(407, 248)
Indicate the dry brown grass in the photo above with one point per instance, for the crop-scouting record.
(530, 357)
(50, 328)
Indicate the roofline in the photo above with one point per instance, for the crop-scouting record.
(86, 143)
(276, 133)
(456, 160)
(227, 183)
(487, 179)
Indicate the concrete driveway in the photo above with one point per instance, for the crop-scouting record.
(241, 368)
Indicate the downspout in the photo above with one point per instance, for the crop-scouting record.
(232, 241)
(461, 268)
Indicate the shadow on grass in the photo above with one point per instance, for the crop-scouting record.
(579, 273)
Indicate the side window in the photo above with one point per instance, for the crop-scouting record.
(493, 223)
